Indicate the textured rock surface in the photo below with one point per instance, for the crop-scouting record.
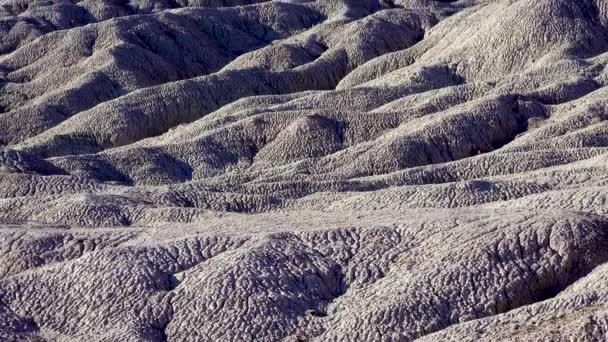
(330, 170)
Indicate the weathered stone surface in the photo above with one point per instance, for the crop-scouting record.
(330, 170)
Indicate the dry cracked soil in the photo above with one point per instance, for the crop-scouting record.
(329, 170)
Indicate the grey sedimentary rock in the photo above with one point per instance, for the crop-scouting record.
(330, 170)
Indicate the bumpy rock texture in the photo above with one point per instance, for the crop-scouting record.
(330, 170)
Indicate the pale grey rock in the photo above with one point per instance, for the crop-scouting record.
(330, 170)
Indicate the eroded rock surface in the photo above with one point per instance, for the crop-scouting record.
(330, 170)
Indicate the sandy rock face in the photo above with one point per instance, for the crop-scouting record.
(330, 170)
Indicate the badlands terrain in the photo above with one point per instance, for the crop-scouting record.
(330, 170)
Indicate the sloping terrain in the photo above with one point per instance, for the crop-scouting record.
(329, 170)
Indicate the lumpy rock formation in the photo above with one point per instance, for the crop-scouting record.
(330, 170)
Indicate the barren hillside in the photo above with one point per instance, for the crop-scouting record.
(329, 170)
